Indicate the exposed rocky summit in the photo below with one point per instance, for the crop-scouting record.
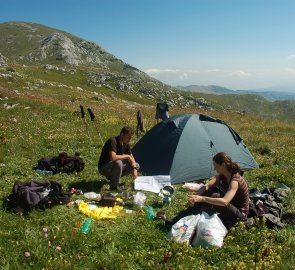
(27, 42)
(3, 60)
(60, 47)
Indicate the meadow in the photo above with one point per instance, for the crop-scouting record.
(46, 121)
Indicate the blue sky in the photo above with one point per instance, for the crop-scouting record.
(239, 44)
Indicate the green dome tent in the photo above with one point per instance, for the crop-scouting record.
(183, 146)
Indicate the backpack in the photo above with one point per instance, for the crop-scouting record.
(62, 163)
(35, 194)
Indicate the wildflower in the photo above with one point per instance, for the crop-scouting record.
(27, 254)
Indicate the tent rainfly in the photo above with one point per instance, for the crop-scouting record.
(183, 146)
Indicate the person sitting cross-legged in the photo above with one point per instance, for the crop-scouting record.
(116, 159)
(226, 193)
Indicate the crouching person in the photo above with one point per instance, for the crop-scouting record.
(116, 159)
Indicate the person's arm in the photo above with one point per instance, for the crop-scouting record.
(211, 182)
(225, 201)
(130, 158)
(113, 152)
(133, 164)
(114, 156)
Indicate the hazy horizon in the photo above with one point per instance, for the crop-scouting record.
(283, 89)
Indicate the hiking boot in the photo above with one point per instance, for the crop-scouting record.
(168, 224)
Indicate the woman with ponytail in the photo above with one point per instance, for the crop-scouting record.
(226, 193)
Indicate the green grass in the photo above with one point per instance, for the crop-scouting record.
(47, 121)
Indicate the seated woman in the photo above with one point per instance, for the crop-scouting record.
(226, 193)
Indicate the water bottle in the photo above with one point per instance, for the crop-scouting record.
(150, 213)
(125, 212)
(86, 226)
(44, 172)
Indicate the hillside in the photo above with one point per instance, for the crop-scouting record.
(30, 44)
(40, 116)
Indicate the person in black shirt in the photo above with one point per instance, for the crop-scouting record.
(116, 159)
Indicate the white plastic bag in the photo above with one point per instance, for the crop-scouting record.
(92, 195)
(210, 231)
(192, 186)
(184, 229)
(139, 199)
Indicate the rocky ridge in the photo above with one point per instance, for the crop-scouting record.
(33, 44)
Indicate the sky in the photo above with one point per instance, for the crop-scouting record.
(237, 44)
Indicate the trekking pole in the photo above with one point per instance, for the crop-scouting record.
(86, 126)
(92, 119)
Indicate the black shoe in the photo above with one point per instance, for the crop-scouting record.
(168, 224)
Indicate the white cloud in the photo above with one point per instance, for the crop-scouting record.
(157, 71)
(213, 70)
(291, 56)
(191, 71)
(230, 78)
(152, 71)
(240, 73)
(290, 70)
(183, 76)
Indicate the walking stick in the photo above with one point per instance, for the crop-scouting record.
(86, 126)
(92, 119)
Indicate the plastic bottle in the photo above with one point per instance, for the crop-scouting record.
(86, 226)
(150, 213)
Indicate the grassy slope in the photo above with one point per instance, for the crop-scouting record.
(47, 121)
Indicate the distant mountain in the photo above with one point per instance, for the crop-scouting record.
(209, 89)
(271, 94)
(26, 42)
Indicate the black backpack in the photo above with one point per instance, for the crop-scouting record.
(62, 163)
(35, 194)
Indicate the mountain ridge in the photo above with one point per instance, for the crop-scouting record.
(268, 93)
